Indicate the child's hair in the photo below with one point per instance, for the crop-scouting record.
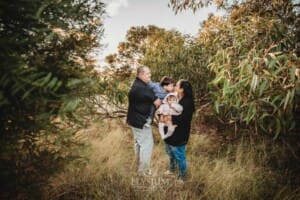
(166, 81)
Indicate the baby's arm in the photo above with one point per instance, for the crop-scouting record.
(177, 108)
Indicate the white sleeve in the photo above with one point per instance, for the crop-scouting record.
(177, 108)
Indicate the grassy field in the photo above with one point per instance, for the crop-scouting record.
(217, 170)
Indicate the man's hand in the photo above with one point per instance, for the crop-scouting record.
(157, 102)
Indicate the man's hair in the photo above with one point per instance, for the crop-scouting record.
(141, 69)
(166, 81)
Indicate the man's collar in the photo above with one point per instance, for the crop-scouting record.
(137, 78)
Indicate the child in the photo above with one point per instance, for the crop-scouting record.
(169, 107)
(162, 88)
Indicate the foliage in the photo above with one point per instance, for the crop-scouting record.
(256, 65)
(179, 57)
(250, 59)
(166, 52)
(46, 70)
(45, 60)
(133, 49)
(111, 90)
(194, 5)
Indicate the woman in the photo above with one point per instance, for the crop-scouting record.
(176, 144)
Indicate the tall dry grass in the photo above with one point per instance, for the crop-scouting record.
(215, 171)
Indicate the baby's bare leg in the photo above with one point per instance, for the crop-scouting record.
(171, 126)
(168, 120)
(163, 118)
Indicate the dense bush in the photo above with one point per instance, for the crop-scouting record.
(46, 70)
(247, 61)
(254, 59)
(45, 59)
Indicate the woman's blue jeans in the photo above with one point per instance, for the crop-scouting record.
(177, 156)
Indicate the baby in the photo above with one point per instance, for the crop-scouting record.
(169, 107)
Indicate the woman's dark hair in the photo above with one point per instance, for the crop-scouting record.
(166, 81)
(187, 90)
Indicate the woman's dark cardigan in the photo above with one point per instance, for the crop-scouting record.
(182, 131)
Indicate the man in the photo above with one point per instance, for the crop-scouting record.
(139, 117)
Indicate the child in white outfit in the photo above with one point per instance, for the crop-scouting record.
(169, 107)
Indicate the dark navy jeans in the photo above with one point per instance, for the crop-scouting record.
(177, 159)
